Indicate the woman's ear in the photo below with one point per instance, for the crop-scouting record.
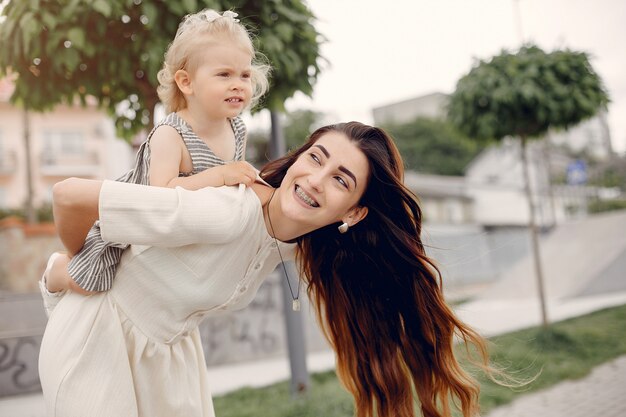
(355, 215)
(183, 81)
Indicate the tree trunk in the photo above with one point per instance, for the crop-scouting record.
(31, 215)
(293, 319)
(548, 166)
(534, 235)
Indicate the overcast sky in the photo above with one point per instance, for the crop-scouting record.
(381, 52)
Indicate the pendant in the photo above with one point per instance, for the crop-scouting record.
(296, 305)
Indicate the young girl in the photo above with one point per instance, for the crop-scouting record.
(208, 78)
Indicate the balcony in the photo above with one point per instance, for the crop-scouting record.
(8, 163)
(62, 165)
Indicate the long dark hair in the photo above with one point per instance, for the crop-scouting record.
(378, 296)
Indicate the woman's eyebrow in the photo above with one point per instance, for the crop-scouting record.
(323, 149)
(341, 167)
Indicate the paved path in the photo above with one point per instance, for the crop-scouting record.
(600, 394)
(489, 316)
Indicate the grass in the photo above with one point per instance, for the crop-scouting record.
(569, 350)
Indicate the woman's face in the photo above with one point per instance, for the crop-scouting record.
(325, 184)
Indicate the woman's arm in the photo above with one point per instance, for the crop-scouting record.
(165, 217)
(75, 208)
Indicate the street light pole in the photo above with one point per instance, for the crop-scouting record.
(293, 319)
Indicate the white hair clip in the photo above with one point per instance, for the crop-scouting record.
(231, 15)
(211, 15)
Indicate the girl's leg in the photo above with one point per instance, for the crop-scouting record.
(58, 279)
(75, 207)
(50, 299)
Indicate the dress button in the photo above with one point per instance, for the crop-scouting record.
(274, 244)
(257, 266)
(243, 289)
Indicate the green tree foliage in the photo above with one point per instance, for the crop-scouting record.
(299, 125)
(433, 146)
(112, 50)
(526, 93)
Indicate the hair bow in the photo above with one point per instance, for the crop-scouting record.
(211, 15)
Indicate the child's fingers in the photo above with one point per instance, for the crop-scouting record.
(241, 172)
(249, 178)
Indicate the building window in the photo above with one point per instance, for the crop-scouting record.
(64, 143)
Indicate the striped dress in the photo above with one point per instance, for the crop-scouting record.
(93, 268)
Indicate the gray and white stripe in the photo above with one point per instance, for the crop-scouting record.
(93, 268)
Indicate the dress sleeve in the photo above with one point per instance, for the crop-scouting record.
(166, 217)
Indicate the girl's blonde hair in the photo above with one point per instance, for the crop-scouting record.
(196, 31)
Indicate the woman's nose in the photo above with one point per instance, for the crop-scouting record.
(316, 180)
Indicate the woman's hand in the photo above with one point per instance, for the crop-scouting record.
(75, 209)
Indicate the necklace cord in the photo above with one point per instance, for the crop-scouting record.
(269, 218)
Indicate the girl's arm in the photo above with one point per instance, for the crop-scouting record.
(75, 209)
(166, 154)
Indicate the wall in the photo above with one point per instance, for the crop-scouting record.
(257, 332)
(24, 250)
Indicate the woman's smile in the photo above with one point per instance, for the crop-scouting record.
(306, 198)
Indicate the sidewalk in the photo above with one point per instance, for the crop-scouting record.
(601, 393)
(490, 317)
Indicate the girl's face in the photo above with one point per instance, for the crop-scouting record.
(221, 86)
(325, 184)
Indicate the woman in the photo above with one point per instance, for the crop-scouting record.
(135, 350)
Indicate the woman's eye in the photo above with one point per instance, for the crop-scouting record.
(342, 182)
(222, 74)
(247, 75)
(315, 158)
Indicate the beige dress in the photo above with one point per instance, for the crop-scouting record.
(135, 350)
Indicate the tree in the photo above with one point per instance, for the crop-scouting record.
(524, 94)
(433, 146)
(111, 50)
(299, 124)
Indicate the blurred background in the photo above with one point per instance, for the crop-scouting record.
(397, 65)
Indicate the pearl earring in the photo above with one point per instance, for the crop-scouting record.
(343, 228)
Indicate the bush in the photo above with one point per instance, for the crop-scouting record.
(43, 213)
(599, 206)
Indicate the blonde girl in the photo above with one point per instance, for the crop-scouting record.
(209, 76)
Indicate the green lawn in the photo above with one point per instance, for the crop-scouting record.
(570, 350)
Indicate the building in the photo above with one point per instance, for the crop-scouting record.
(444, 199)
(431, 106)
(68, 141)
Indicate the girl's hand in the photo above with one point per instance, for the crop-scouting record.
(240, 172)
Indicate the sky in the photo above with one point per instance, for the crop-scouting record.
(381, 52)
